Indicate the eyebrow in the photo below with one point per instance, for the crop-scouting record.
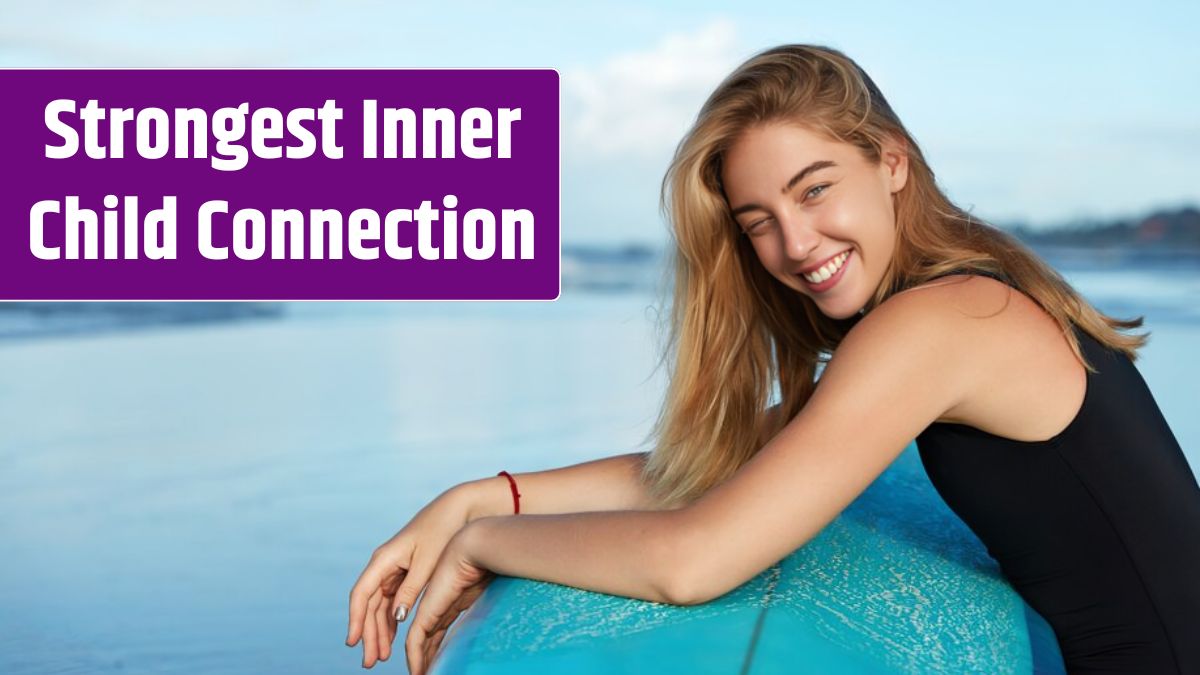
(800, 175)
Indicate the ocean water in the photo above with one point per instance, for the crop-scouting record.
(200, 497)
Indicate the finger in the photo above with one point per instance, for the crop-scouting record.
(391, 635)
(419, 630)
(370, 651)
(371, 579)
(390, 623)
(440, 595)
(411, 586)
(430, 650)
(465, 599)
(437, 634)
(412, 652)
(442, 628)
(448, 618)
(388, 620)
(384, 646)
(358, 603)
(435, 644)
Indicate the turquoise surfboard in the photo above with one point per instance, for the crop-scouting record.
(897, 583)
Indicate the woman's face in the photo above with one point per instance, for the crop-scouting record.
(819, 215)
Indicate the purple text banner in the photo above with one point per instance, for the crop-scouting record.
(279, 185)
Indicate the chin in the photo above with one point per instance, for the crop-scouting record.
(842, 310)
(841, 314)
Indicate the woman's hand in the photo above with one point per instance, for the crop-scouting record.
(456, 583)
(398, 571)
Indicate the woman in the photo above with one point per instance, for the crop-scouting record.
(807, 224)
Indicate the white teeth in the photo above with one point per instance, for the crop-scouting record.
(829, 269)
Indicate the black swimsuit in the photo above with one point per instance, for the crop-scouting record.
(1097, 528)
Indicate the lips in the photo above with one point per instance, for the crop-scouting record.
(837, 264)
(830, 267)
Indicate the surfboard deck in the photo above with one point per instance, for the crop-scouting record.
(897, 583)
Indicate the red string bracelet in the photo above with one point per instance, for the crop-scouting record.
(512, 484)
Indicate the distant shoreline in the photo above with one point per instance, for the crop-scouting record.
(1162, 240)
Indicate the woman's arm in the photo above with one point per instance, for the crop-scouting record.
(902, 367)
(400, 568)
(608, 484)
(626, 553)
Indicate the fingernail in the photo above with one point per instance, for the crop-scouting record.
(401, 612)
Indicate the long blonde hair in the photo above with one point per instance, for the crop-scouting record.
(735, 331)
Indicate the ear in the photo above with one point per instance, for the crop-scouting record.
(893, 158)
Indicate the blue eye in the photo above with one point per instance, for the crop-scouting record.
(822, 187)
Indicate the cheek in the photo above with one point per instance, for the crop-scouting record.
(878, 221)
(764, 255)
(770, 257)
(843, 221)
(759, 245)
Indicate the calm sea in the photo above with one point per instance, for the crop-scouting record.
(198, 496)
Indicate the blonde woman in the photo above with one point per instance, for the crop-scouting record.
(808, 231)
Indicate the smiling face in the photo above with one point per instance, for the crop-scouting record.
(819, 215)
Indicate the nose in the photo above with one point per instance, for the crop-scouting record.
(800, 239)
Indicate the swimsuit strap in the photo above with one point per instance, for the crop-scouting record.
(983, 273)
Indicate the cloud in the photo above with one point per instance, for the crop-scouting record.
(639, 104)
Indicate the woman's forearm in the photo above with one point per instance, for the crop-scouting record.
(608, 484)
(626, 553)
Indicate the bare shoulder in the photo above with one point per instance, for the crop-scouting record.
(966, 305)
(940, 311)
(960, 331)
(916, 344)
(962, 296)
(1007, 358)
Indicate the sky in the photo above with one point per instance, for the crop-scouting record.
(1038, 113)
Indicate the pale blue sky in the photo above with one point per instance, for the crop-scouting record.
(1044, 112)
